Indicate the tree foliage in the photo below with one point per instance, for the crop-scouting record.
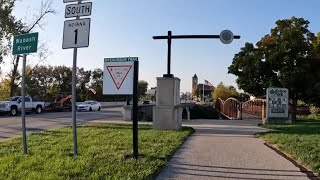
(4, 89)
(243, 97)
(224, 92)
(83, 80)
(196, 92)
(11, 26)
(46, 82)
(142, 88)
(287, 57)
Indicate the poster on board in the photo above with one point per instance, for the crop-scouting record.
(277, 102)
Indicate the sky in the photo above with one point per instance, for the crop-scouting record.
(125, 28)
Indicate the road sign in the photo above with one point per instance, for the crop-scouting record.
(74, 10)
(67, 1)
(118, 76)
(76, 33)
(226, 37)
(26, 43)
(277, 102)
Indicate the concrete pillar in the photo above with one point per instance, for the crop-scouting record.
(127, 113)
(167, 114)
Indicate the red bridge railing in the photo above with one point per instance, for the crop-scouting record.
(234, 109)
(254, 109)
(230, 108)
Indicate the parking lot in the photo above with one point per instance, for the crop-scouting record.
(11, 126)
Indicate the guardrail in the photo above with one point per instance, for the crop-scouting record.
(110, 104)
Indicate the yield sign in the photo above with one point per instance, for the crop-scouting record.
(119, 74)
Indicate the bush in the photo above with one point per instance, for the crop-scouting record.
(314, 110)
(145, 113)
(145, 116)
(202, 112)
(310, 117)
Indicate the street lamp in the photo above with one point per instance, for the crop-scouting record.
(226, 37)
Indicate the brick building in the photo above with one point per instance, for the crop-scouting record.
(201, 87)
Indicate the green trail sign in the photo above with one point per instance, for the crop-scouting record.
(26, 43)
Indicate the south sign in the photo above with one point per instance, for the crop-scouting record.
(77, 10)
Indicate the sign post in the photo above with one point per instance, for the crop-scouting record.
(135, 110)
(24, 44)
(76, 35)
(277, 106)
(123, 73)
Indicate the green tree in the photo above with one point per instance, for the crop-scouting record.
(83, 80)
(97, 84)
(224, 92)
(62, 79)
(4, 89)
(243, 97)
(196, 92)
(39, 82)
(252, 71)
(284, 58)
(10, 26)
(142, 88)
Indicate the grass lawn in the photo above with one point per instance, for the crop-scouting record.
(301, 140)
(103, 153)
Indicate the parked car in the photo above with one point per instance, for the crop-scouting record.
(146, 102)
(14, 105)
(89, 106)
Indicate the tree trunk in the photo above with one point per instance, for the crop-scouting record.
(294, 109)
(14, 75)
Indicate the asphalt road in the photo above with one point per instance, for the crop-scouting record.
(11, 126)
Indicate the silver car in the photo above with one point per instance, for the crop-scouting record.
(89, 106)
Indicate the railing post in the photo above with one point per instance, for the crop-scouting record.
(252, 107)
(240, 111)
(263, 111)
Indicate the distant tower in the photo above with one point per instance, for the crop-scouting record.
(194, 82)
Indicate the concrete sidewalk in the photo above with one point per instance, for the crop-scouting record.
(223, 149)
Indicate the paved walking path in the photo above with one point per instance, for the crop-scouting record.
(228, 150)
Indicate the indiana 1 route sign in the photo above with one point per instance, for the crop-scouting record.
(76, 33)
(118, 76)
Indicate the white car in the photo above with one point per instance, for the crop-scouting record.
(89, 106)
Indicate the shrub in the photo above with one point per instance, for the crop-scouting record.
(314, 110)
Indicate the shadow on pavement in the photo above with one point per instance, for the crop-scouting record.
(232, 172)
(227, 131)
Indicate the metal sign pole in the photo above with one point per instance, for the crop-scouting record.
(135, 110)
(23, 108)
(74, 101)
(74, 98)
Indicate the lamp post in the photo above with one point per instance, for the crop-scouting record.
(226, 37)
